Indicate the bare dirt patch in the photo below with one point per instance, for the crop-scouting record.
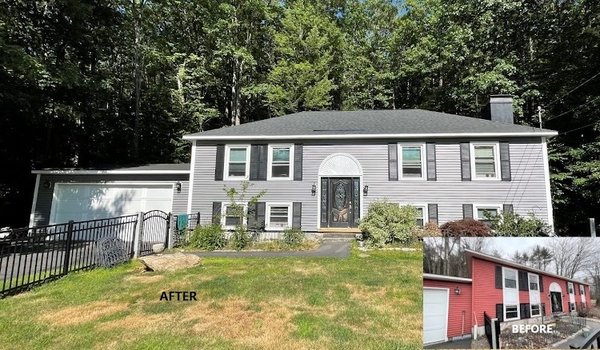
(262, 325)
(141, 321)
(81, 314)
(308, 270)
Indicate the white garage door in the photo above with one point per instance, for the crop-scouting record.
(435, 315)
(96, 201)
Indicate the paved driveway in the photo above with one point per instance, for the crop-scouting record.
(592, 325)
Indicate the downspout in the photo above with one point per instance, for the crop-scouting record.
(475, 326)
(462, 330)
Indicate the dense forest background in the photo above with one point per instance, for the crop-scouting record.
(103, 83)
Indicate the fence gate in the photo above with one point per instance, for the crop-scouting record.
(155, 229)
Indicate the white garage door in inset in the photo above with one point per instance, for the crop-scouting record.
(81, 202)
(435, 315)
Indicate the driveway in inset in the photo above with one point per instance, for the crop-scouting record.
(328, 249)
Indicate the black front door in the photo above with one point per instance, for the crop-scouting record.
(556, 299)
(340, 201)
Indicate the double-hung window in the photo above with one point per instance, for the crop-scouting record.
(412, 161)
(237, 162)
(510, 279)
(535, 310)
(485, 162)
(533, 282)
(571, 289)
(512, 311)
(233, 215)
(581, 289)
(278, 216)
(281, 162)
(486, 213)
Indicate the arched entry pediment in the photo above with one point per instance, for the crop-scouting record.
(340, 164)
(555, 287)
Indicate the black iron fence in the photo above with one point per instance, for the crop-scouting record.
(35, 255)
(492, 331)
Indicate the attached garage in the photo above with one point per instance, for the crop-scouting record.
(84, 194)
(435, 315)
(446, 308)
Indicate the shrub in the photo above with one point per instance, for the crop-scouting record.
(429, 230)
(209, 237)
(466, 228)
(512, 224)
(240, 238)
(292, 237)
(388, 222)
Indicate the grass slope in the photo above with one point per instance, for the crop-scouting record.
(367, 301)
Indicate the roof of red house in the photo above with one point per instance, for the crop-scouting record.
(474, 254)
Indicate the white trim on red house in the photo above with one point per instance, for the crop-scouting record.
(547, 179)
(370, 136)
(435, 277)
(191, 184)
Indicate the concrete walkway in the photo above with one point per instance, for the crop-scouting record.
(328, 249)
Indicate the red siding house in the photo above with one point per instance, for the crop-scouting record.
(510, 292)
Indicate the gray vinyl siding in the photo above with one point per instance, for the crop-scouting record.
(43, 204)
(526, 191)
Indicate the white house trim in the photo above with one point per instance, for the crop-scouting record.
(477, 206)
(547, 179)
(425, 208)
(226, 176)
(34, 203)
(373, 136)
(401, 176)
(496, 150)
(191, 179)
(431, 276)
(224, 216)
(447, 306)
(510, 296)
(270, 162)
(269, 205)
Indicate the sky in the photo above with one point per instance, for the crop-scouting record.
(507, 246)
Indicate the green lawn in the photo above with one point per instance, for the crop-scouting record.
(367, 301)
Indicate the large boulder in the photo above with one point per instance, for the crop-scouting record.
(169, 262)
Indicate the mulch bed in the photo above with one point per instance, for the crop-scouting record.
(561, 331)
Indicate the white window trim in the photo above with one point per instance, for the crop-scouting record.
(504, 269)
(531, 310)
(476, 208)
(270, 162)
(570, 287)
(529, 275)
(420, 205)
(496, 146)
(226, 165)
(423, 162)
(268, 215)
(581, 289)
(224, 216)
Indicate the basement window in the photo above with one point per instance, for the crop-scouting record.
(535, 310)
(512, 311)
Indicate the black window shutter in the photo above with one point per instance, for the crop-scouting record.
(541, 283)
(252, 212)
(254, 162)
(467, 211)
(498, 277)
(263, 154)
(260, 215)
(297, 215)
(431, 162)
(524, 311)
(523, 281)
(543, 309)
(500, 312)
(219, 162)
(216, 218)
(507, 209)
(505, 161)
(393, 162)
(465, 161)
(432, 210)
(298, 156)
(324, 199)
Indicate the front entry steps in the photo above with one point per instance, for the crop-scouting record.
(339, 236)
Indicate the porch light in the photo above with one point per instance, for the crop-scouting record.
(47, 184)
(178, 187)
(366, 190)
(457, 291)
(313, 190)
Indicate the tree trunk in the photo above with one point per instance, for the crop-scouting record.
(137, 79)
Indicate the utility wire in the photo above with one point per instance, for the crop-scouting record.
(577, 87)
(574, 108)
(579, 128)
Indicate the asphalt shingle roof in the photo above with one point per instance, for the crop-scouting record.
(148, 168)
(370, 122)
